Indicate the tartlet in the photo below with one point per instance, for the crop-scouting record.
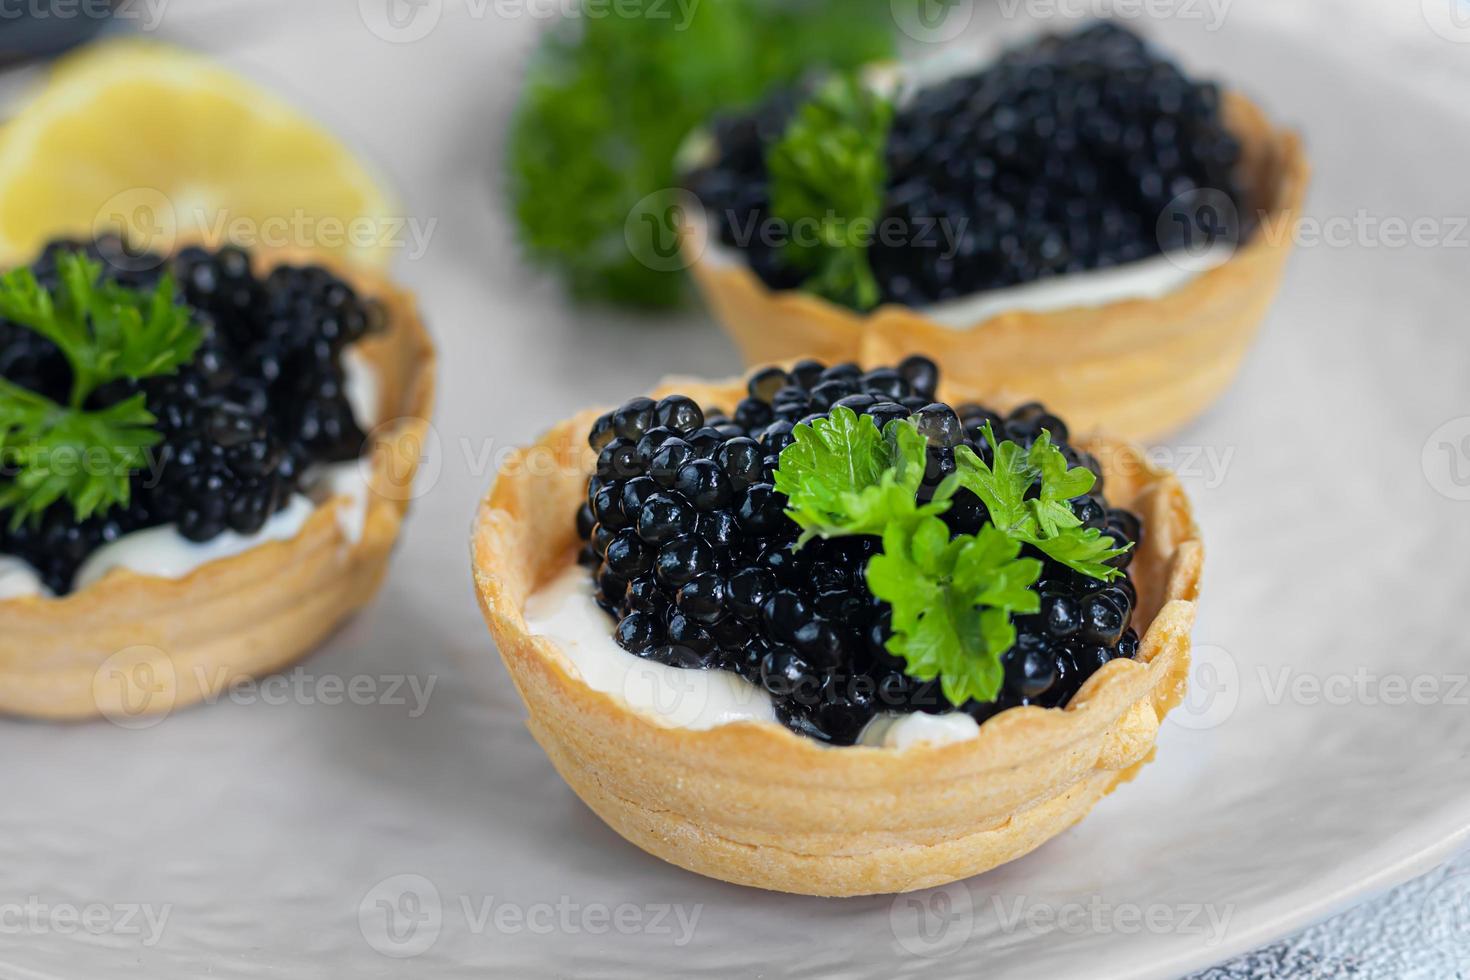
(1137, 367)
(755, 804)
(132, 645)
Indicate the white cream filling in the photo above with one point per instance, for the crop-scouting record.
(1146, 279)
(903, 731)
(349, 481)
(162, 552)
(565, 612)
(362, 388)
(18, 579)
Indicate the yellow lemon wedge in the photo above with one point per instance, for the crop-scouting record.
(164, 146)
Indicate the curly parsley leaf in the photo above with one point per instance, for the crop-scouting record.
(1045, 520)
(608, 101)
(842, 476)
(827, 178)
(952, 603)
(86, 458)
(52, 452)
(106, 331)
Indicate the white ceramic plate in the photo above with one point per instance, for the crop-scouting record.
(1322, 757)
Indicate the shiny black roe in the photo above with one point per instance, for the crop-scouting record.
(263, 399)
(1060, 157)
(690, 549)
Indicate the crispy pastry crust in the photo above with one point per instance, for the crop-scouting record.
(131, 646)
(755, 804)
(1137, 368)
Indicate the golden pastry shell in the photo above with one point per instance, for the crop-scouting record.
(755, 804)
(1135, 368)
(131, 646)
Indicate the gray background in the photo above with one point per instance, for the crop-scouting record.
(1377, 91)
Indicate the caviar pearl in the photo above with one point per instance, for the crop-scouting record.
(693, 555)
(1069, 153)
(665, 517)
(265, 399)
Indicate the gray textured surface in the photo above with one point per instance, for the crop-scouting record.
(267, 828)
(1419, 931)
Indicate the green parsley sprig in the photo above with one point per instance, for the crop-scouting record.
(609, 100)
(953, 598)
(1045, 520)
(953, 601)
(827, 175)
(842, 476)
(107, 332)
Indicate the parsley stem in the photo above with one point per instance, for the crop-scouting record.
(82, 385)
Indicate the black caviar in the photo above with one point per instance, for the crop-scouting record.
(691, 551)
(1075, 152)
(263, 399)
